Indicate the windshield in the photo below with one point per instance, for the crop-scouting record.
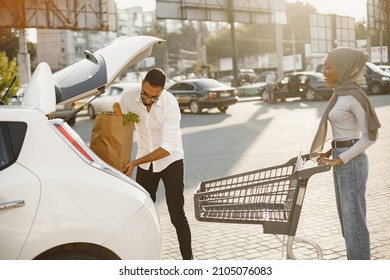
(374, 68)
(210, 83)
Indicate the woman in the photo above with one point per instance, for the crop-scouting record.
(354, 126)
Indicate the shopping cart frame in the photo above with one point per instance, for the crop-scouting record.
(270, 196)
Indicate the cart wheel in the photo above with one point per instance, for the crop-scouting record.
(290, 253)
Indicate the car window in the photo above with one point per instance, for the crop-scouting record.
(116, 91)
(12, 136)
(80, 77)
(285, 80)
(209, 83)
(189, 87)
(182, 86)
(374, 68)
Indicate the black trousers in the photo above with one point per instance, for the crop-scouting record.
(173, 179)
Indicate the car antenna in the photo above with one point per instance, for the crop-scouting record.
(101, 90)
(8, 89)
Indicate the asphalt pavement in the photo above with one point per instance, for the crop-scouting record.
(254, 134)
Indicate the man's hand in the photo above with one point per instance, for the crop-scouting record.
(128, 168)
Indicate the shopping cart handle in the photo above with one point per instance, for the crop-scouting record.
(306, 173)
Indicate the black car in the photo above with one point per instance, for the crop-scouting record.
(378, 80)
(197, 94)
(306, 85)
(375, 81)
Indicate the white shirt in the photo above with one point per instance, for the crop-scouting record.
(348, 120)
(158, 128)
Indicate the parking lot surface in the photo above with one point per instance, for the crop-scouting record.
(252, 135)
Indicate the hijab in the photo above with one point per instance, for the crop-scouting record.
(350, 65)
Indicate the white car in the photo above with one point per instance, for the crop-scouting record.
(104, 102)
(63, 111)
(59, 200)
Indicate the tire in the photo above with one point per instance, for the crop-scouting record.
(311, 95)
(91, 112)
(194, 107)
(71, 255)
(375, 88)
(223, 109)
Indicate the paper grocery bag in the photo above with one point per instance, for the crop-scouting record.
(112, 140)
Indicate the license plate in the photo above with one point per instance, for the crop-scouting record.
(225, 94)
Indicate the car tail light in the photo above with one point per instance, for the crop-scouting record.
(212, 95)
(72, 141)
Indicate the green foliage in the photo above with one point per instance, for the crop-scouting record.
(8, 69)
(130, 117)
(127, 118)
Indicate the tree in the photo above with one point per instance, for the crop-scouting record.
(9, 42)
(8, 69)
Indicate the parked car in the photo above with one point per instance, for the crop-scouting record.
(306, 85)
(63, 111)
(385, 68)
(378, 81)
(58, 199)
(246, 76)
(251, 90)
(104, 102)
(197, 94)
(227, 80)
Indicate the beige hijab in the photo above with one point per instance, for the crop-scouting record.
(350, 65)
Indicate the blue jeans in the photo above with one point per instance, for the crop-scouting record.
(350, 186)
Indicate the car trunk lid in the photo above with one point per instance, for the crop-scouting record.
(88, 76)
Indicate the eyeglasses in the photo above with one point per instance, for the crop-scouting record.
(144, 95)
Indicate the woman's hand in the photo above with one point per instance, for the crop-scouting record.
(331, 162)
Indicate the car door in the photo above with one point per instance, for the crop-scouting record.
(183, 92)
(283, 90)
(19, 192)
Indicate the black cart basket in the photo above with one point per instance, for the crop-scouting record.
(271, 196)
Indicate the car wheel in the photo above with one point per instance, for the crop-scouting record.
(91, 112)
(223, 109)
(71, 255)
(375, 88)
(72, 121)
(194, 107)
(311, 94)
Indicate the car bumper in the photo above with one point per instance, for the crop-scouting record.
(141, 234)
(215, 103)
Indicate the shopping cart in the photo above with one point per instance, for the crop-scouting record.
(271, 196)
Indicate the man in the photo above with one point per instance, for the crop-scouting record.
(270, 81)
(160, 150)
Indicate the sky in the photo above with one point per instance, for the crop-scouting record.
(354, 8)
